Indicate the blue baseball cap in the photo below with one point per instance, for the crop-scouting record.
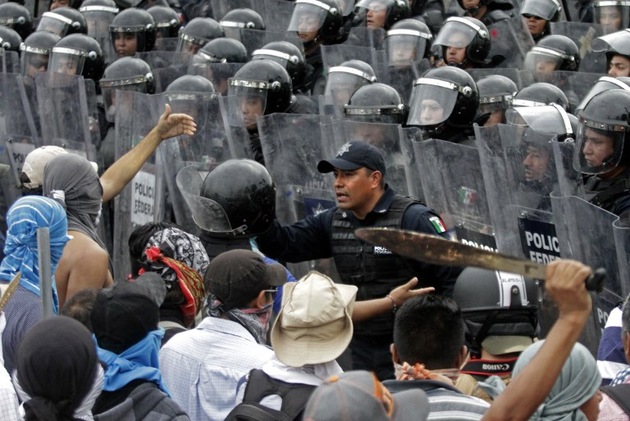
(352, 156)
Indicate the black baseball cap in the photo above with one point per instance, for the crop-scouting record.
(352, 156)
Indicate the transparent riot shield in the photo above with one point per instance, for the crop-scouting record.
(401, 78)
(166, 66)
(520, 173)
(142, 200)
(510, 43)
(67, 112)
(278, 13)
(9, 61)
(408, 136)
(453, 185)
(217, 73)
(586, 233)
(583, 34)
(575, 85)
(386, 137)
(509, 72)
(621, 231)
(206, 149)
(292, 146)
(362, 36)
(221, 7)
(238, 137)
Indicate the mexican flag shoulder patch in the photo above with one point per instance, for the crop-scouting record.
(438, 225)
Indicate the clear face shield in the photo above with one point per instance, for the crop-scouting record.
(127, 41)
(66, 61)
(234, 30)
(599, 146)
(612, 15)
(137, 83)
(189, 44)
(542, 62)
(307, 18)
(432, 101)
(342, 82)
(98, 19)
(545, 9)
(404, 46)
(247, 99)
(54, 23)
(33, 60)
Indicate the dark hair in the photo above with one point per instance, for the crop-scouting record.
(79, 306)
(138, 243)
(429, 330)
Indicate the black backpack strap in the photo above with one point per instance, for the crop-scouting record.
(620, 394)
(255, 412)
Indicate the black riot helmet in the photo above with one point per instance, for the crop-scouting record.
(247, 202)
(540, 93)
(79, 52)
(36, 51)
(395, 10)
(136, 22)
(604, 83)
(223, 50)
(407, 41)
(16, 17)
(553, 52)
(128, 74)
(321, 16)
(603, 128)
(9, 39)
(444, 97)
(499, 306)
(264, 79)
(465, 32)
(617, 43)
(376, 103)
(288, 56)
(545, 122)
(190, 84)
(63, 21)
(197, 33)
(237, 19)
(167, 21)
(496, 92)
(343, 80)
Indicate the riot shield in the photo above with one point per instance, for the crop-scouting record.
(9, 61)
(362, 36)
(221, 7)
(586, 233)
(510, 43)
(583, 34)
(386, 137)
(335, 55)
(98, 19)
(520, 172)
(68, 117)
(453, 185)
(575, 85)
(238, 137)
(621, 231)
(401, 78)
(292, 146)
(408, 136)
(166, 66)
(217, 73)
(142, 200)
(509, 72)
(206, 149)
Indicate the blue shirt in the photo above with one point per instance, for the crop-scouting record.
(206, 367)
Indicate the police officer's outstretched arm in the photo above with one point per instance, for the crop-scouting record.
(122, 171)
(566, 285)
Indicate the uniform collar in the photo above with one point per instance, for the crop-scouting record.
(385, 201)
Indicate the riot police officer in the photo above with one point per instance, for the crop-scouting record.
(35, 52)
(617, 49)
(381, 13)
(78, 54)
(496, 93)
(537, 14)
(197, 33)
(132, 31)
(463, 42)
(218, 61)
(16, 17)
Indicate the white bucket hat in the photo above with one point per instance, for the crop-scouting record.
(314, 325)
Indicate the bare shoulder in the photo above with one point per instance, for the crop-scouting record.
(83, 247)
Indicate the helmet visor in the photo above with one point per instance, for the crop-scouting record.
(543, 61)
(98, 22)
(545, 9)
(599, 146)
(603, 84)
(66, 61)
(109, 88)
(456, 34)
(307, 18)
(404, 48)
(52, 22)
(432, 102)
(247, 99)
(612, 15)
(340, 85)
(549, 119)
(618, 42)
(32, 62)
(189, 44)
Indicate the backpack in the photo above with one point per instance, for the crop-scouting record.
(294, 398)
(620, 394)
